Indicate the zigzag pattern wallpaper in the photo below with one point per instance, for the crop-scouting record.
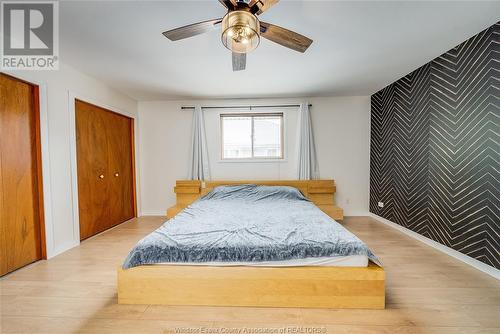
(435, 149)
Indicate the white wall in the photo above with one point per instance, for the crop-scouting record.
(342, 133)
(56, 125)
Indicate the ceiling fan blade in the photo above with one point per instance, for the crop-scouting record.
(239, 61)
(191, 30)
(229, 4)
(260, 6)
(284, 37)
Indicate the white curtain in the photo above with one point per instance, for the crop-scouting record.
(307, 161)
(199, 168)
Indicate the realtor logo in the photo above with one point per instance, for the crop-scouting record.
(30, 36)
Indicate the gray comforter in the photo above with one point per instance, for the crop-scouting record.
(247, 223)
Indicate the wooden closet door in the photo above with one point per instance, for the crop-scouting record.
(104, 149)
(92, 168)
(20, 176)
(120, 162)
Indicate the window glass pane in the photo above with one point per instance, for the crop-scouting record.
(237, 137)
(267, 136)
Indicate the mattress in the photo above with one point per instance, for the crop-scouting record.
(326, 261)
(249, 224)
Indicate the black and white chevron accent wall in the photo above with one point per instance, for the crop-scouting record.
(435, 149)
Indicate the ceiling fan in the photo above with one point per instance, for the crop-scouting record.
(241, 30)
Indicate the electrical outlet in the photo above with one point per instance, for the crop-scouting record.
(348, 201)
(380, 204)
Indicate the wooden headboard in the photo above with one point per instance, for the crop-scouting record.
(320, 192)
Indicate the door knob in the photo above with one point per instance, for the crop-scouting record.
(116, 174)
(101, 176)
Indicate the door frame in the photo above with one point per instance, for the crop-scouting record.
(41, 159)
(72, 97)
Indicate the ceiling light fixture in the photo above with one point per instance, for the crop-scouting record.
(240, 31)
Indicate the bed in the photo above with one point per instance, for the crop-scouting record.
(240, 244)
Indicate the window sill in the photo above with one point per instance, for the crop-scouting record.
(251, 160)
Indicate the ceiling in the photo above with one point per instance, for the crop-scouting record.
(359, 47)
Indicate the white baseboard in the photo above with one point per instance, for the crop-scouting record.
(445, 249)
(62, 248)
(357, 214)
(153, 213)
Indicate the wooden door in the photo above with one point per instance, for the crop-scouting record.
(92, 167)
(21, 202)
(105, 168)
(120, 168)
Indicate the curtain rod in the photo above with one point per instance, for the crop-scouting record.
(248, 107)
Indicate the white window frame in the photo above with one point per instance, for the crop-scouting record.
(252, 115)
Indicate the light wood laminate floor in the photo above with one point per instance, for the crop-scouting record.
(427, 292)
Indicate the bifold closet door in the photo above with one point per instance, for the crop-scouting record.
(21, 203)
(104, 142)
(120, 168)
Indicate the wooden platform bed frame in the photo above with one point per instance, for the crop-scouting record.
(308, 286)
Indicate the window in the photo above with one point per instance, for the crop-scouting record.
(252, 136)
